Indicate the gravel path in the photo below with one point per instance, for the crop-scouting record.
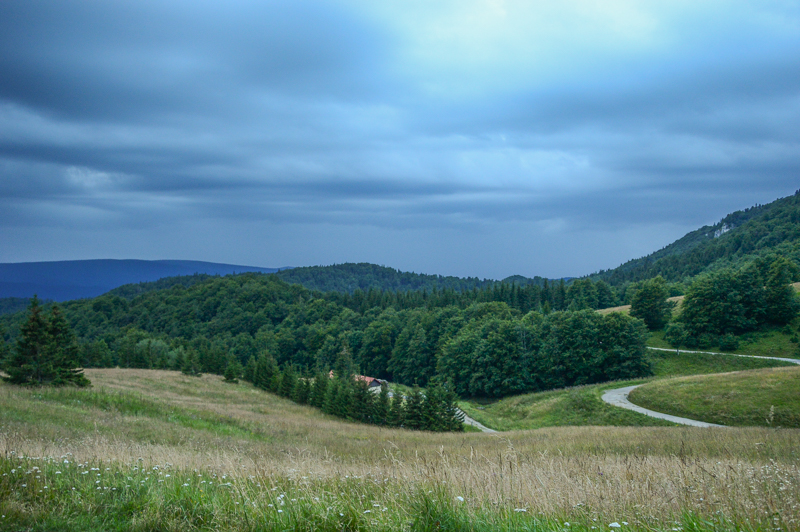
(469, 421)
(619, 396)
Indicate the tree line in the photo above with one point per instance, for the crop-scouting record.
(423, 343)
(342, 393)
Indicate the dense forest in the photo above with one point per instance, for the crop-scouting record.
(737, 239)
(410, 337)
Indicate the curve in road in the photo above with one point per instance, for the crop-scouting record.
(619, 396)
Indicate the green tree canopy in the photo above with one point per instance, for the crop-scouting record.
(650, 303)
(46, 351)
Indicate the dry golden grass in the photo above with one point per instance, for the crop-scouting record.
(637, 474)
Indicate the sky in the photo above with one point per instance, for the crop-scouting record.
(480, 138)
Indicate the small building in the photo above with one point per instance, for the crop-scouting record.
(372, 382)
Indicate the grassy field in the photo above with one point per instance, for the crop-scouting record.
(767, 397)
(671, 364)
(153, 450)
(583, 406)
(577, 406)
(774, 343)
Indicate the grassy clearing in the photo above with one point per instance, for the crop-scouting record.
(671, 364)
(325, 474)
(774, 343)
(583, 406)
(576, 406)
(767, 397)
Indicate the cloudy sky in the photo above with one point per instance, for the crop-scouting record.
(467, 137)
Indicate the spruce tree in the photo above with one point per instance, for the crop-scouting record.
(63, 351)
(190, 364)
(329, 406)
(413, 418)
(27, 364)
(301, 392)
(397, 412)
(250, 370)
(431, 410)
(266, 369)
(288, 381)
(381, 407)
(46, 351)
(361, 401)
(317, 396)
(233, 370)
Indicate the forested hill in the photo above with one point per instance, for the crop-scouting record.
(346, 278)
(487, 342)
(349, 277)
(737, 238)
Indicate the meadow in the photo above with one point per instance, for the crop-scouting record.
(581, 405)
(156, 450)
(758, 397)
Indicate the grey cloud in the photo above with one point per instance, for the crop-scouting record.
(177, 117)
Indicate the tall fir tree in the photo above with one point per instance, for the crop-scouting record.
(413, 410)
(63, 351)
(317, 396)
(233, 370)
(381, 407)
(266, 369)
(397, 411)
(46, 351)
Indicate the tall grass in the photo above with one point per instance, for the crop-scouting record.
(342, 476)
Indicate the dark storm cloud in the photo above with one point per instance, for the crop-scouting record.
(94, 60)
(359, 119)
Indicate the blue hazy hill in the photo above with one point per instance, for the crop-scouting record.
(76, 279)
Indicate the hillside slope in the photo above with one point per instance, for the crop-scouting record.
(738, 237)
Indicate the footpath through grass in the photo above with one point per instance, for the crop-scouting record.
(767, 397)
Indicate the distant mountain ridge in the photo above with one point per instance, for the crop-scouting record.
(349, 277)
(736, 239)
(77, 279)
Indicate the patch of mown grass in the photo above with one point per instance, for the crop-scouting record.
(766, 397)
(581, 405)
